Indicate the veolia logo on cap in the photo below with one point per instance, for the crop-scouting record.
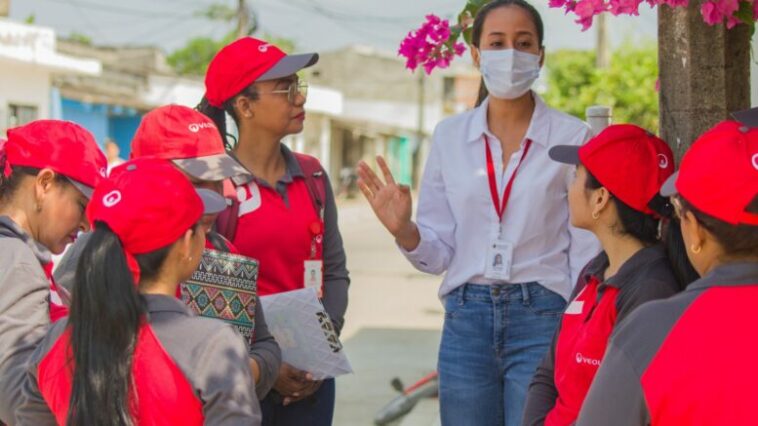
(263, 48)
(103, 172)
(112, 198)
(755, 161)
(663, 161)
(196, 127)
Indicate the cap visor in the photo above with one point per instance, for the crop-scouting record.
(669, 187)
(568, 154)
(213, 202)
(748, 117)
(84, 189)
(212, 167)
(289, 65)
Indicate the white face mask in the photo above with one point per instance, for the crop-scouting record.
(509, 73)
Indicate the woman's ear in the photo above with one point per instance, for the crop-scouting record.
(599, 200)
(43, 184)
(542, 56)
(186, 244)
(244, 107)
(475, 55)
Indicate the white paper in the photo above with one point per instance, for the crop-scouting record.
(305, 333)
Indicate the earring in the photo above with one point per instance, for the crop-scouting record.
(189, 258)
(38, 208)
(696, 249)
(595, 215)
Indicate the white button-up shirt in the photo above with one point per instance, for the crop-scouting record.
(456, 216)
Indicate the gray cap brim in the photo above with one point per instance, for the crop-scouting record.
(669, 187)
(84, 189)
(568, 154)
(213, 202)
(212, 167)
(289, 65)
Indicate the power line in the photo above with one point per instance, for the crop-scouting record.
(116, 9)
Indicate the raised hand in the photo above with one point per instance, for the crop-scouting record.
(392, 203)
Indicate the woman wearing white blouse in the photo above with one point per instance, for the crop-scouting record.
(493, 213)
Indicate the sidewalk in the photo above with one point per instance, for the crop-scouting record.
(392, 326)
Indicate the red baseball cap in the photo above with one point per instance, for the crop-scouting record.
(719, 173)
(189, 139)
(149, 204)
(245, 61)
(63, 146)
(629, 161)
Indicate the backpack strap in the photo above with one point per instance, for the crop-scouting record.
(315, 180)
(226, 223)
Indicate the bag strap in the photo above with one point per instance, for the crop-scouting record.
(315, 181)
(226, 222)
(313, 172)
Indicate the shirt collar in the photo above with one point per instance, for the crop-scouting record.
(12, 229)
(629, 269)
(538, 131)
(165, 303)
(293, 169)
(730, 274)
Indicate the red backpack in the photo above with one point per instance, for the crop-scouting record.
(226, 224)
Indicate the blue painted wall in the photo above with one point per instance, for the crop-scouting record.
(116, 122)
(92, 117)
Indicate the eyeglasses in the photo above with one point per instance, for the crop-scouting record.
(295, 88)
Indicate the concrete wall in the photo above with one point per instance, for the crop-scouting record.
(23, 84)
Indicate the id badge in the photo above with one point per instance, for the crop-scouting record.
(499, 257)
(313, 277)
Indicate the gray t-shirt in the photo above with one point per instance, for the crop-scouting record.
(210, 353)
(24, 309)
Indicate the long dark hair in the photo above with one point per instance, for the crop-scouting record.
(736, 240)
(106, 313)
(218, 115)
(648, 230)
(481, 16)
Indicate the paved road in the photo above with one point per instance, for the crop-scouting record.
(393, 322)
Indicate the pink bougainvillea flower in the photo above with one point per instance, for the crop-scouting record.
(711, 13)
(431, 46)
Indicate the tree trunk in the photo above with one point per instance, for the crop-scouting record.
(704, 74)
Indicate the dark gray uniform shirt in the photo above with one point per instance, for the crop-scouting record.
(211, 354)
(24, 309)
(265, 351)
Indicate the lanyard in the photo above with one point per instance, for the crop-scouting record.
(500, 205)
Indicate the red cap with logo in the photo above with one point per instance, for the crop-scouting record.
(245, 61)
(63, 146)
(629, 161)
(149, 204)
(719, 173)
(189, 139)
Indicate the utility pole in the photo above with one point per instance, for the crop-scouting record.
(242, 18)
(603, 59)
(5, 8)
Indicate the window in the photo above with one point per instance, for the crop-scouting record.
(19, 115)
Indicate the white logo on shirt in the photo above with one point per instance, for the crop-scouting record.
(581, 359)
(249, 197)
(112, 198)
(663, 161)
(195, 127)
(755, 161)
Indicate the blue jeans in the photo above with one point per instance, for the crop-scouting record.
(492, 341)
(317, 410)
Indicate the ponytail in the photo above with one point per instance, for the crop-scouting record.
(218, 114)
(670, 234)
(106, 314)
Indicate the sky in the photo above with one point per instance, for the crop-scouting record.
(314, 25)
